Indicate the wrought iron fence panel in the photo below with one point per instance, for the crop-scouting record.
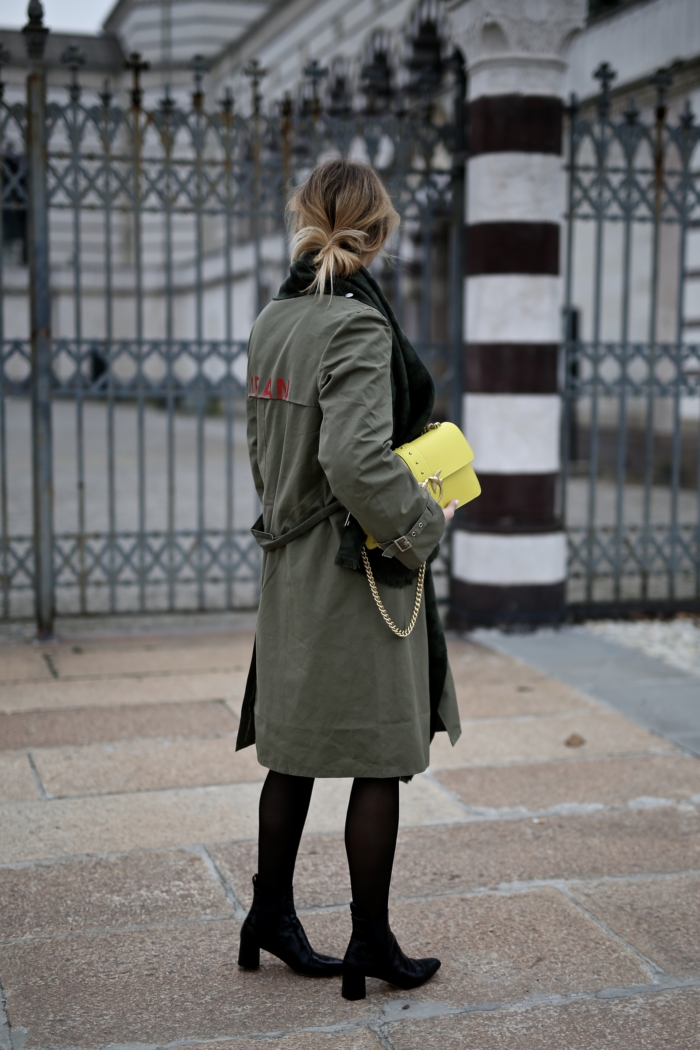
(631, 365)
(166, 226)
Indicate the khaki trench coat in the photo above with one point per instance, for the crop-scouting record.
(338, 694)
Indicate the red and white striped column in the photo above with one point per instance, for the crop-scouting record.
(509, 552)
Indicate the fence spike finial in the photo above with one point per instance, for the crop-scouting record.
(137, 66)
(687, 116)
(35, 12)
(662, 80)
(5, 57)
(631, 112)
(106, 94)
(199, 66)
(73, 58)
(255, 74)
(226, 100)
(315, 72)
(605, 74)
(35, 32)
(167, 102)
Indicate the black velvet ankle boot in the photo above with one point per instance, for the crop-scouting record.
(272, 923)
(373, 951)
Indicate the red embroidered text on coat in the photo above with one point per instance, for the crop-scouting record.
(273, 390)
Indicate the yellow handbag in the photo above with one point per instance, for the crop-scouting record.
(440, 459)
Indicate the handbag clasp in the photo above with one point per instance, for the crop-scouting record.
(433, 485)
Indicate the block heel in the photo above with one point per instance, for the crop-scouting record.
(354, 985)
(374, 952)
(249, 953)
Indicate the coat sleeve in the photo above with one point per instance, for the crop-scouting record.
(355, 441)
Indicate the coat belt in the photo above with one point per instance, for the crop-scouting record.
(268, 542)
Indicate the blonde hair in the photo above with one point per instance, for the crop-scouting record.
(341, 212)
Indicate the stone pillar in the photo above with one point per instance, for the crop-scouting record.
(509, 553)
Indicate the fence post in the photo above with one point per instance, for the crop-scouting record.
(35, 34)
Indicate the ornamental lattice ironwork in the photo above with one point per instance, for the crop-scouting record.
(165, 237)
(631, 433)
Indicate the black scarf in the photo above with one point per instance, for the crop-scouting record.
(412, 398)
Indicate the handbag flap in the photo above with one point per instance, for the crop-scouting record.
(444, 448)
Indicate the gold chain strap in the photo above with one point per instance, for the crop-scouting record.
(436, 481)
(380, 604)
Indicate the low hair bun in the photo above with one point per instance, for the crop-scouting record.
(340, 213)
(340, 256)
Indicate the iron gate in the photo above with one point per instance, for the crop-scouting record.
(631, 433)
(155, 235)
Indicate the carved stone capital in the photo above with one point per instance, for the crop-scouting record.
(516, 45)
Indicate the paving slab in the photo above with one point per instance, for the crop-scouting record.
(459, 858)
(145, 765)
(534, 739)
(118, 692)
(359, 1039)
(671, 708)
(475, 662)
(497, 948)
(642, 687)
(512, 699)
(166, 985)
(660, 917)
(97, 725)
(421, 802)
(152, 658)
(159, 985)
(22, 663)
(471, 856)
(162, 629)
(97, 893)
(321, 875)
(601, 781)
(116, 823)
(492, 684)
(656, 1021)
(17, 782)
(579, 657)
(181, 816)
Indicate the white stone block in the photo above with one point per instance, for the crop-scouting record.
(517, 74)
(502, 561)
(513, 308)
(513, 433)
(515, 187)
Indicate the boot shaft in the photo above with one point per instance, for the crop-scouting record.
(373, 932)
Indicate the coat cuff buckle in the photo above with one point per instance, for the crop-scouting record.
(401, 544)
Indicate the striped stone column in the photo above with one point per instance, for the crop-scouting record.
(509, 552)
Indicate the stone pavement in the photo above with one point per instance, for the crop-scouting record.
(552, 860)
(653, 692)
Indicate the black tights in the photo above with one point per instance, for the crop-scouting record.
(371, 827)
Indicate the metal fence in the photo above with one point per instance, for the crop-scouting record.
(155, 234)
(631, 433)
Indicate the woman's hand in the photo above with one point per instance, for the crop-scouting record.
(449, 510)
